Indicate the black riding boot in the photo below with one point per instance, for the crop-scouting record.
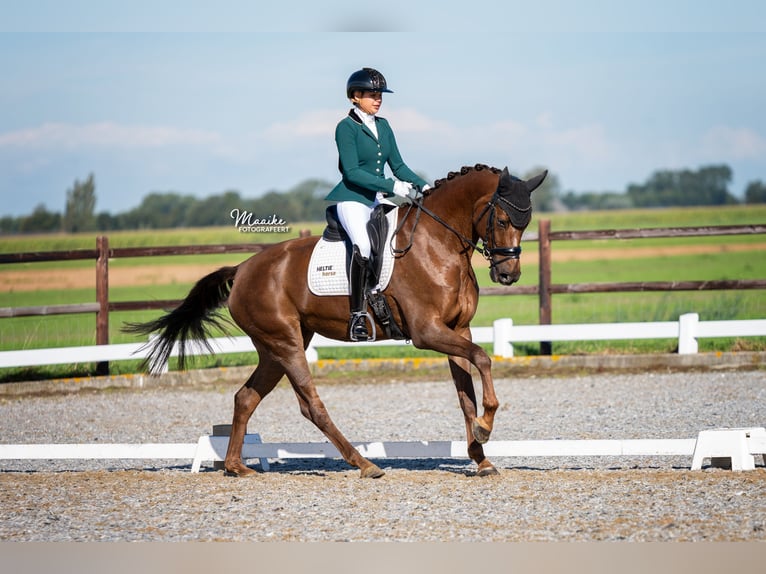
(357, 278)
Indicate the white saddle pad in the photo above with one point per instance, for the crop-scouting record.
(327, 273)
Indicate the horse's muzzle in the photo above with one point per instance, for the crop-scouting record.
(504, 278)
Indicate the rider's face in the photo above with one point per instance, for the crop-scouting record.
(368, 102)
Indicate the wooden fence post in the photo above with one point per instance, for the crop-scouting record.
(102, 297)
(544, 243)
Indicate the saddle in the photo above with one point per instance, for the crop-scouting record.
(378, 230)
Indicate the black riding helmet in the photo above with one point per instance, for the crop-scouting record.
(366, 80)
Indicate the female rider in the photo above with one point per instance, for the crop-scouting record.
(366, 144)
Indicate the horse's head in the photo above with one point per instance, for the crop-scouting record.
(507, 215)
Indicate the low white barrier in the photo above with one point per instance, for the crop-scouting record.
(740, 446)
(686, 330)
(503, 334)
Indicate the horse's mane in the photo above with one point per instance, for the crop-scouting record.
(463, 170)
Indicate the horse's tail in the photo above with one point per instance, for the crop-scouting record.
(191, 320)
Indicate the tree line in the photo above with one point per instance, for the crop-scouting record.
(708, 185)
(163, 210)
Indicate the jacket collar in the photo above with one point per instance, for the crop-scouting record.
(355, 117)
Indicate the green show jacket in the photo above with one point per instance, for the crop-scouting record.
(362, 157)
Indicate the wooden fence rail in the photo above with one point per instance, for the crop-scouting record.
(545, 289)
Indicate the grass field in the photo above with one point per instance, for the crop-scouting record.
(702, 258)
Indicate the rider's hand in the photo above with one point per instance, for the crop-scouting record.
(402, 188)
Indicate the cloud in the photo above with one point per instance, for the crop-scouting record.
(109, 134)
(407, 120)
(321, 124)
(724, 142)
(317, 123)
(541, 142)
(586, 143)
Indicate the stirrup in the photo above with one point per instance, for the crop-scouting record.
(357, 329)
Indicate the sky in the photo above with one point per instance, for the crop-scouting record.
(200, 98)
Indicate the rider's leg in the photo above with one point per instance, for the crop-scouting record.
(354, 217)
(357, 278)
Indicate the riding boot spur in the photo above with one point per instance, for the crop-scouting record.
(357, 276)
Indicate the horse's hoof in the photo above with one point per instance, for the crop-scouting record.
(488, 470)
(372, 471)
(239, 471)
(480, 434)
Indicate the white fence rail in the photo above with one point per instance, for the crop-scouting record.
(686, 330)
(739, 445)
(503, 334)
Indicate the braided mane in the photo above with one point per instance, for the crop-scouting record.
(463, 170)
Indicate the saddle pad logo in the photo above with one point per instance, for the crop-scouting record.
(327, 272)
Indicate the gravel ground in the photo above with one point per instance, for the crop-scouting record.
(532, 499)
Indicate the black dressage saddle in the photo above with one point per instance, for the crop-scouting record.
(377, 230)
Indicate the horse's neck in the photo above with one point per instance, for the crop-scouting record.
(456, 205)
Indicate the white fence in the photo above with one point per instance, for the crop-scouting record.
(503, 334)
(686, 330)
(740, 446)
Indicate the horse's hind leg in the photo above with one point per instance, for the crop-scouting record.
(313, 409)
(461, 375)
(261, 383)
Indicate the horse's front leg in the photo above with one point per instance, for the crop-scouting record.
(458, 345)
(461, 376)
(483, 425)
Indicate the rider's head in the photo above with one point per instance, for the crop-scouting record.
(365, 88)
(366, 80)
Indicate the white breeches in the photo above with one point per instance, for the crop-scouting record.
(354, 217)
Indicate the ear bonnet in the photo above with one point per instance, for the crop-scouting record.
(515, 199)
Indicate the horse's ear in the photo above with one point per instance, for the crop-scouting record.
(534, 183)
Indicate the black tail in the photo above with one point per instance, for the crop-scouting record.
(191, 320)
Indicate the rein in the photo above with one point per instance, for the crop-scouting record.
(485, 249)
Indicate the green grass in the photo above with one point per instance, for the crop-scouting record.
(149, 238)
(66, 330)
(647, 218)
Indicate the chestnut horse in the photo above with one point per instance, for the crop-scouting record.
(433, 294)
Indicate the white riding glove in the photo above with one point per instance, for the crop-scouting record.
(419, 193)
(402, 188)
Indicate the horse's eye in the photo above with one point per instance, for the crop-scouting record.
(503, 223)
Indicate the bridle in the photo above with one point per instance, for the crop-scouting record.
(491, 250)
(488, 249)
